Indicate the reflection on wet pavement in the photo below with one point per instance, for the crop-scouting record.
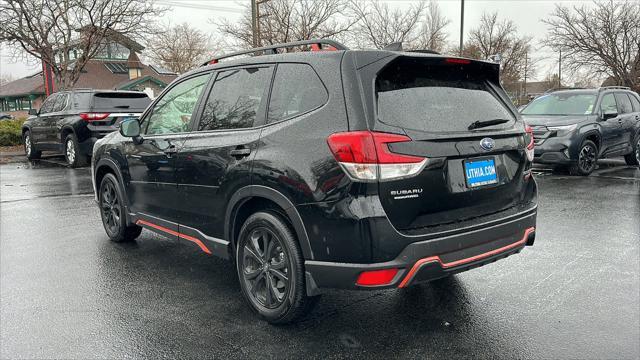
(67, 292)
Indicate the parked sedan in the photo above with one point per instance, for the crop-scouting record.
(70, 122)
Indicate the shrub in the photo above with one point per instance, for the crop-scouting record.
(11, 132)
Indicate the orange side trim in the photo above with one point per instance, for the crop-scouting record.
(175, 233)
(444, 265)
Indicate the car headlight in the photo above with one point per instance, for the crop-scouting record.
(563, 130)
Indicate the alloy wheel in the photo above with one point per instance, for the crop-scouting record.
(27, 145)
(587, 158)
(265, 268)
(638, 151)
(71, 152)
(110, 207)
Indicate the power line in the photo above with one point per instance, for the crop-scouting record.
(176, 3)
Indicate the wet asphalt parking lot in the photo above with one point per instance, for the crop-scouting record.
(66, 291)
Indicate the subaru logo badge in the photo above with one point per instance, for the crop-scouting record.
(487, 144)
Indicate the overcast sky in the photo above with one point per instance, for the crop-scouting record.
(525, 13)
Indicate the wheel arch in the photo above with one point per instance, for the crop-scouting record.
(257, 193)
(65, 131)
(108, 166)
(594, 136)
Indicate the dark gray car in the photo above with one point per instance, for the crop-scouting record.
(575, 128)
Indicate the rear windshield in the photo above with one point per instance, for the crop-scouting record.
(561, 104)
(113, 101)
(437, 98)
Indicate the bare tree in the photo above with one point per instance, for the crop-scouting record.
(380, 25)
(493, 37)
(289, 20)
(67, 33)
(433, 35)
(179, 48)
(604, 39)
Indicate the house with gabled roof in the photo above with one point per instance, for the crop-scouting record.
(116, 67)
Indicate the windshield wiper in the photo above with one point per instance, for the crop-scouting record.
(484, 123)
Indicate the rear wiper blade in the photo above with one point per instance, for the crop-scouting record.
(484, 123)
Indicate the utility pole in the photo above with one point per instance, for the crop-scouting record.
(255, 21)
(526, 55)
(461, 26)
(560, 70)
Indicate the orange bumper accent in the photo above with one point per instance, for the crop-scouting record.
(444, 265)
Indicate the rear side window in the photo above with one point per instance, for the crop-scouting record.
(124, 101)
(437, 98)
(635, 102)
(624, 104)
(296, 90)
(236, 98)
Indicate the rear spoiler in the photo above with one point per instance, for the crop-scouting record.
(490, 69)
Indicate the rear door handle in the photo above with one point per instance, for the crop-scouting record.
(240, 152)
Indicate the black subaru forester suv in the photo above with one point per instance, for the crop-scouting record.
(326, 169)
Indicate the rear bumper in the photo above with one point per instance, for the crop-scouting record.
(422, 262)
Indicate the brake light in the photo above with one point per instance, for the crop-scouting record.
(94, 116)
(365, 156)
(376, 277)
(457, 61)
(531, 144)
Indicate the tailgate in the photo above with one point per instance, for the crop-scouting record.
(472, 170)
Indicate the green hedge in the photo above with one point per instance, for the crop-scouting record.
(11, 132)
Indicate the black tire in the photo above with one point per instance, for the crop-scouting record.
(633, 159)
(112, 211)
(268, 258)
(30, 149)
(587, 159)
(72, 154)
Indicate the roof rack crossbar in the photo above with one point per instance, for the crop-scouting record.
(614, 87)
(316, 44)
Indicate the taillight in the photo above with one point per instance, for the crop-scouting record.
(530, 145)
(93, 116)
(376, 277)
(365, 156)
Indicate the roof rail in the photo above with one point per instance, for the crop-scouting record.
(564, 88)
(614, 87)
(316, 45)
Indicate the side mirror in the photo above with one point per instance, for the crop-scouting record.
(609, 115)
(33, 112)
(130, 128)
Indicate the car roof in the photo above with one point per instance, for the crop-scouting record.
(311, 57)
